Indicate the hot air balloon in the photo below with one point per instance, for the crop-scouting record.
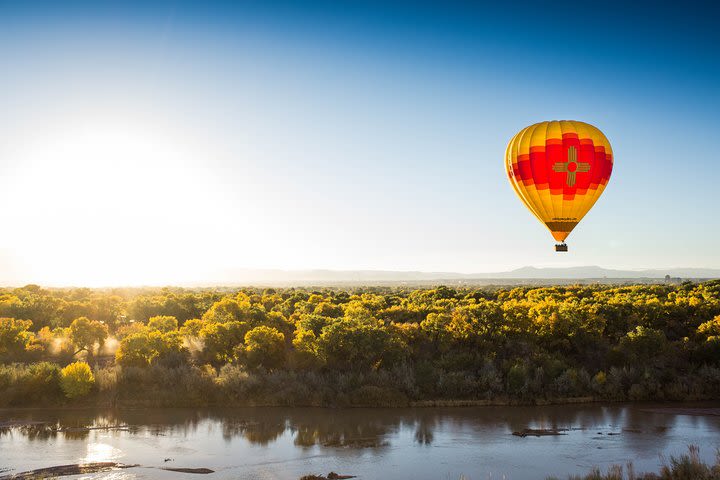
(559, 169)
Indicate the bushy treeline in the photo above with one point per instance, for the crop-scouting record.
(362, 346)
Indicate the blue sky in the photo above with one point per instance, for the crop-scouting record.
(161, 143)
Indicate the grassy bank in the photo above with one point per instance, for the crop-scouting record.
(39, 384)
(686, 467)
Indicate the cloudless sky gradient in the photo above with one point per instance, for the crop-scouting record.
(168, 142)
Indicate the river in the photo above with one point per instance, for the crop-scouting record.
(405, 443)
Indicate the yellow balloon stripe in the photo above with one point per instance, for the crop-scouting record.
(553, 174)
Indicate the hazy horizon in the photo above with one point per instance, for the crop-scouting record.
(240, 277)
(147, 144)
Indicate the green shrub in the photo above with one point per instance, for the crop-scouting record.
(370, 395)
(43, 382)
(516, 378)
(77, 380)
(163, 386)
(106, 378)
(29, 384)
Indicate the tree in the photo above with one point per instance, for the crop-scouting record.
(192, 328)
(643, 344)
(163, 323)
(223, 311)
(328, 309)
(307, 353)
(709, 349)
(278, 321)
(312, 322)
(76, 380)
(710, 329)
(169, 348)
(265, 346)
(358, 344)
(236, 310)
(147, 347)
(14, 338)
(34, 303)
(221, 339)
(435, 327)
(84, 333)
(136, 350)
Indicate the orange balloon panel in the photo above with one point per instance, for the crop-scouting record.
(559, 169)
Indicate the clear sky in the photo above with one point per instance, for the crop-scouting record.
(165, 143)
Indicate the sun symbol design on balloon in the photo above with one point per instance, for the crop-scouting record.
(559, 169)
(572, 166)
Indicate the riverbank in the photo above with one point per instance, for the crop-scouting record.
(234, 386)
(687, 466)
(503, 402)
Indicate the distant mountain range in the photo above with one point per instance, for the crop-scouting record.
(599, 272)
(326, 277)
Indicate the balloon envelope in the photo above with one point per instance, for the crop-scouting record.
(559, 169)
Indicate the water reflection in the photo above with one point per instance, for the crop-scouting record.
(101, 452)
(289, 442)
(424, 431)
(260, 430)
(358, 428)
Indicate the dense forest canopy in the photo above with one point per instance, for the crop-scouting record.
(359, 346)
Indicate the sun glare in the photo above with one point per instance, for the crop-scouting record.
(105, 204)
(101, 452)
